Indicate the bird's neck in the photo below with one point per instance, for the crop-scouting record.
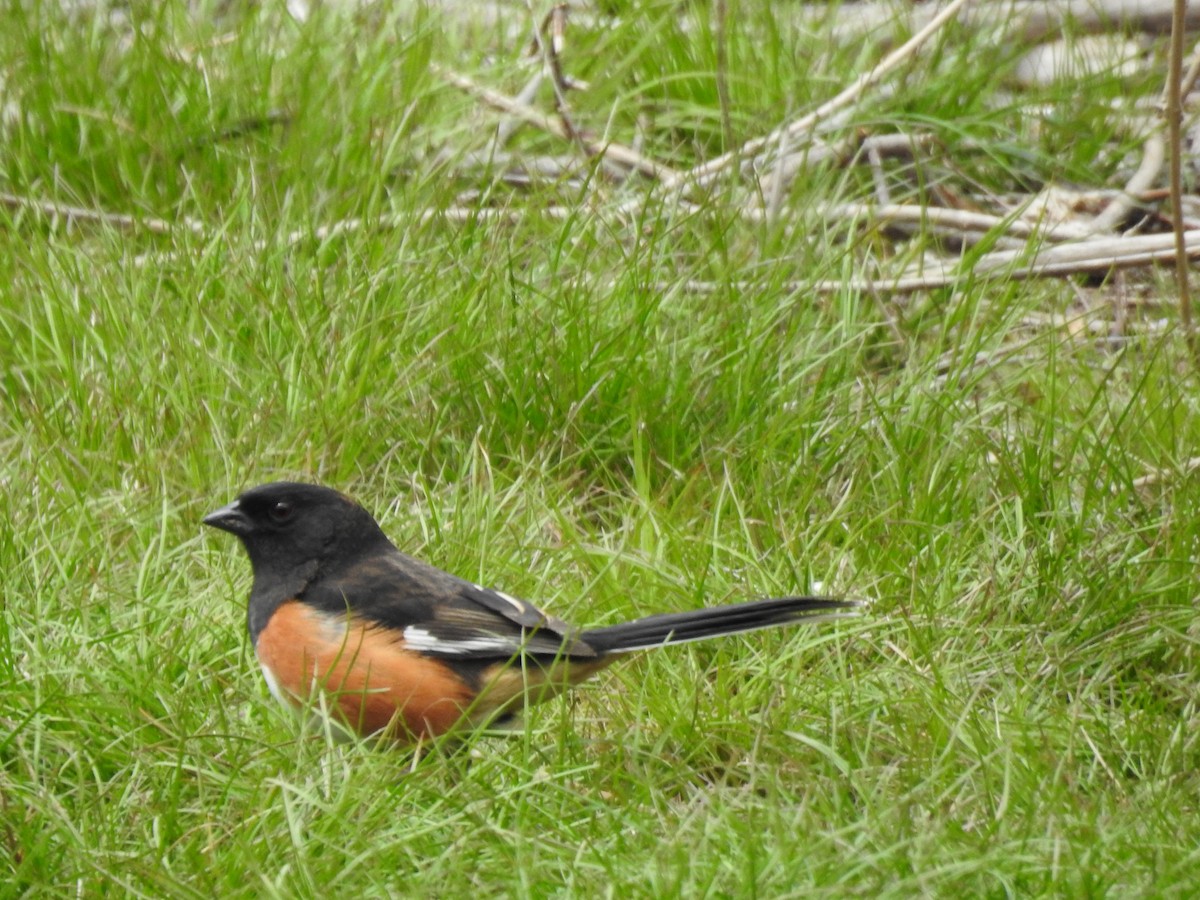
(271, 590)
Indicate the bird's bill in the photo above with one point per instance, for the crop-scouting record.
(229, 518)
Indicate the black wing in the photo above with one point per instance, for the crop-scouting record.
(442, 615)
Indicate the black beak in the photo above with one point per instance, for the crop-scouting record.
(229, 518)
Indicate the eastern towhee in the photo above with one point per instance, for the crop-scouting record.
(405, 649)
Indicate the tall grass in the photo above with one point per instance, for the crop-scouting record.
(548, 406)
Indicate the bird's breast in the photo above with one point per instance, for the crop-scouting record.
(373, 683)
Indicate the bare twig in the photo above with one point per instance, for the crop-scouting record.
(1158, 475)
(899, 145)
(1193, 72)
(449, 214)
(406, 220)
(1096, 255)
(773, 195)
(957, 220)
(550, 37)
(52, 209)
(846, 149)
(1120, 305)
(508, 127)
(544, 166)
(704, 174)
(882, 193)
(1153, 156)
(788, 163)
(963, 226)
(1028, 21)
(607, 150)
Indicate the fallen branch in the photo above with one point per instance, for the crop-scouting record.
(613, 152)
(54, 210)
(1156, 476)
(1096, 255)
(508, 127)
(707, 172)
(1061, 260)
(455, 214)
(1028, 21)
(1153, 155)
(957, 220)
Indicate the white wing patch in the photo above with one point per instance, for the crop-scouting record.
(422, 640)
(512, 601)
(509, 598)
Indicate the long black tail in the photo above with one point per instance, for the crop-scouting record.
(696, 625)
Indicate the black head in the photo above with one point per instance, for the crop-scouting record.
(287, 525)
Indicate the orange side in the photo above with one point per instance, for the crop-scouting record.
(365, 669)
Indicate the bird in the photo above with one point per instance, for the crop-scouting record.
(406, 651)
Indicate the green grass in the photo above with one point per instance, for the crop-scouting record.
(545, 406)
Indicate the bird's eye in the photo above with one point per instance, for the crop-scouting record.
(280, 512)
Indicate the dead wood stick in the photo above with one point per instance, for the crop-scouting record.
(1093, 255)
(1028, 21)
(1153, 155)
(456, 213)
(508, 127)
(705, 173)
(53, 209)
(1155, 476)
(606, 150)
(1098, 254)
(959, 220)
(1193, 72)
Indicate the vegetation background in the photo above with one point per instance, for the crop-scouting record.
(612, 413)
